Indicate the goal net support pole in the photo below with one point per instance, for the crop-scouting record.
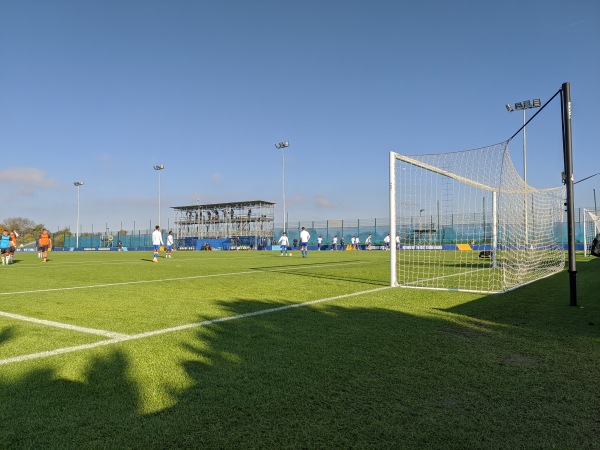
(569, 181)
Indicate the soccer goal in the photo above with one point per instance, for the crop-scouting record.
(591, 228)
(466, 221)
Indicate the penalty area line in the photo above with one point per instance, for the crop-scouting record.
(64, 326)
(124, 338)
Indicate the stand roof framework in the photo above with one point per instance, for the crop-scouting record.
(225, 220)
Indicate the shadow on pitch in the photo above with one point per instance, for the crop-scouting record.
(42, 408)
(544, 305)
(333, 375)
(6, 334)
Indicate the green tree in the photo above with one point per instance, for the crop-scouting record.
(28, 230)
(21, 224)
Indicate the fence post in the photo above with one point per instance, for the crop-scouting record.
(375, 231)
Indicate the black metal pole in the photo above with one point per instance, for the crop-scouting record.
(568, 155)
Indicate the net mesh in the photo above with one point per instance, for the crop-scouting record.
(591, 228)
(467, 221)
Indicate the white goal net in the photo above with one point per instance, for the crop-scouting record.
(467, 221)
(591, 228)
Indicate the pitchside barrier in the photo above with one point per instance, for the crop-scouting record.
(327, 229)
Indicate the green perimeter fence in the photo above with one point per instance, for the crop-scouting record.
(344, 229)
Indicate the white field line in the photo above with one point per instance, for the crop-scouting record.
(65, 326)
(195, 277)
(124, 283)
(116, 261)
(125, 338)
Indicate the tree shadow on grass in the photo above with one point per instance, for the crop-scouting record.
(6, 334)
(364, 377)
(545, 305)
(328, 376)
(41, 410)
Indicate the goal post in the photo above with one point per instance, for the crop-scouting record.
(393, 248)
(467, 221)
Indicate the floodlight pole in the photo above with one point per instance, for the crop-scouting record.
(158, 168)
(77, 184)
(569, 181)
(525, 175)
(524, 105)
(282, 146)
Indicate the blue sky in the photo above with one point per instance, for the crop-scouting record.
(100, 91)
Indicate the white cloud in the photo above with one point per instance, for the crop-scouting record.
(217, 177)
(28, 180)
(322, 202)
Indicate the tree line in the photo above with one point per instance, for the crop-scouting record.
(29, 231)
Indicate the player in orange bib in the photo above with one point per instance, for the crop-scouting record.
(13, 245)
(45, 243)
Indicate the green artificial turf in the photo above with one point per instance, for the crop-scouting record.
(356, 364)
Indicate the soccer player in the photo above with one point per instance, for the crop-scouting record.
(386, 242)
(304, 237)
(5, 247)
(334, 243)
(284, 243)
(45, 243)
(319, 242)
(13, 244)
(38, 248)
(170, 242)
(156, 242)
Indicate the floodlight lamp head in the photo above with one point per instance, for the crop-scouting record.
(283, 144)
(159, 167)
(78, 183)
(537, 103)
(527, 104)
(509, 108)
(518, 105)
